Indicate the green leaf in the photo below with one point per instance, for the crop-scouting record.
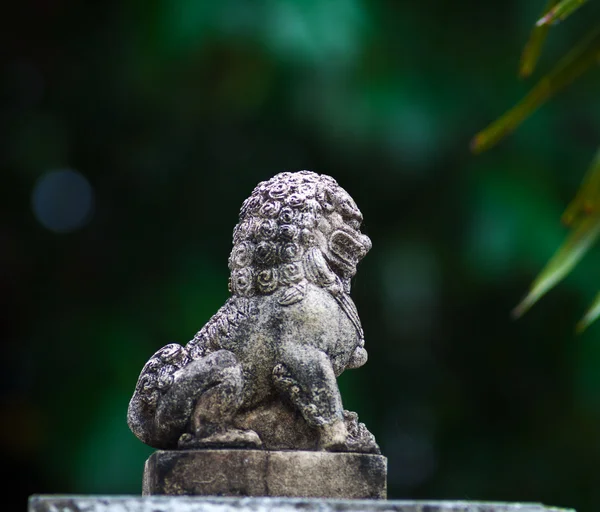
(587, 200)
(590, 315)
(533, 47)
(560, 12)
(563, 261)
(571, 66)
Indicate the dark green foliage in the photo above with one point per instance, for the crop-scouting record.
(583, 214)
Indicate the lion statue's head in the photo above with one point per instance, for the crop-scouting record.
(295, 227)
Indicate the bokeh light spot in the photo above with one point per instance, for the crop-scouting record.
(63, 201)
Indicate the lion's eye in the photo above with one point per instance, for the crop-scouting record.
(354, 224)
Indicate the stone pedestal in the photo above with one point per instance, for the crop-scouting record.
(308, 474)
(199, 504)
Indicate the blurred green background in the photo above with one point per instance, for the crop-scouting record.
(130, 134)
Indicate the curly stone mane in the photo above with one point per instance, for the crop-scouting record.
(277, 230)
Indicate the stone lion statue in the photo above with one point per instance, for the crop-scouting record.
(262, 372)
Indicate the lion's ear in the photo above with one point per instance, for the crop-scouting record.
(325, 198)
(293, 294)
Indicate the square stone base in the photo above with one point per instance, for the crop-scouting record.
(303, 474)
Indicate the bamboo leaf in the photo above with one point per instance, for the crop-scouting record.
(587, 200)
(560, 12)
(570, 67)
(590, 315)
(533, 47)
(563, 261)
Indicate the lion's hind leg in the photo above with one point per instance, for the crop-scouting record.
(209, 392)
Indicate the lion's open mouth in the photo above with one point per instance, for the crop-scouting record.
(348, 250)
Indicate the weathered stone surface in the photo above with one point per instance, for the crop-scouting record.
(201, 504)
(312, 474)
(262, 372)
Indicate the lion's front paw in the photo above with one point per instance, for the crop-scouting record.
(347, 435)
(333, 437)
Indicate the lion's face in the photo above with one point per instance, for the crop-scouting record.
(342, 242)
(285, 219)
